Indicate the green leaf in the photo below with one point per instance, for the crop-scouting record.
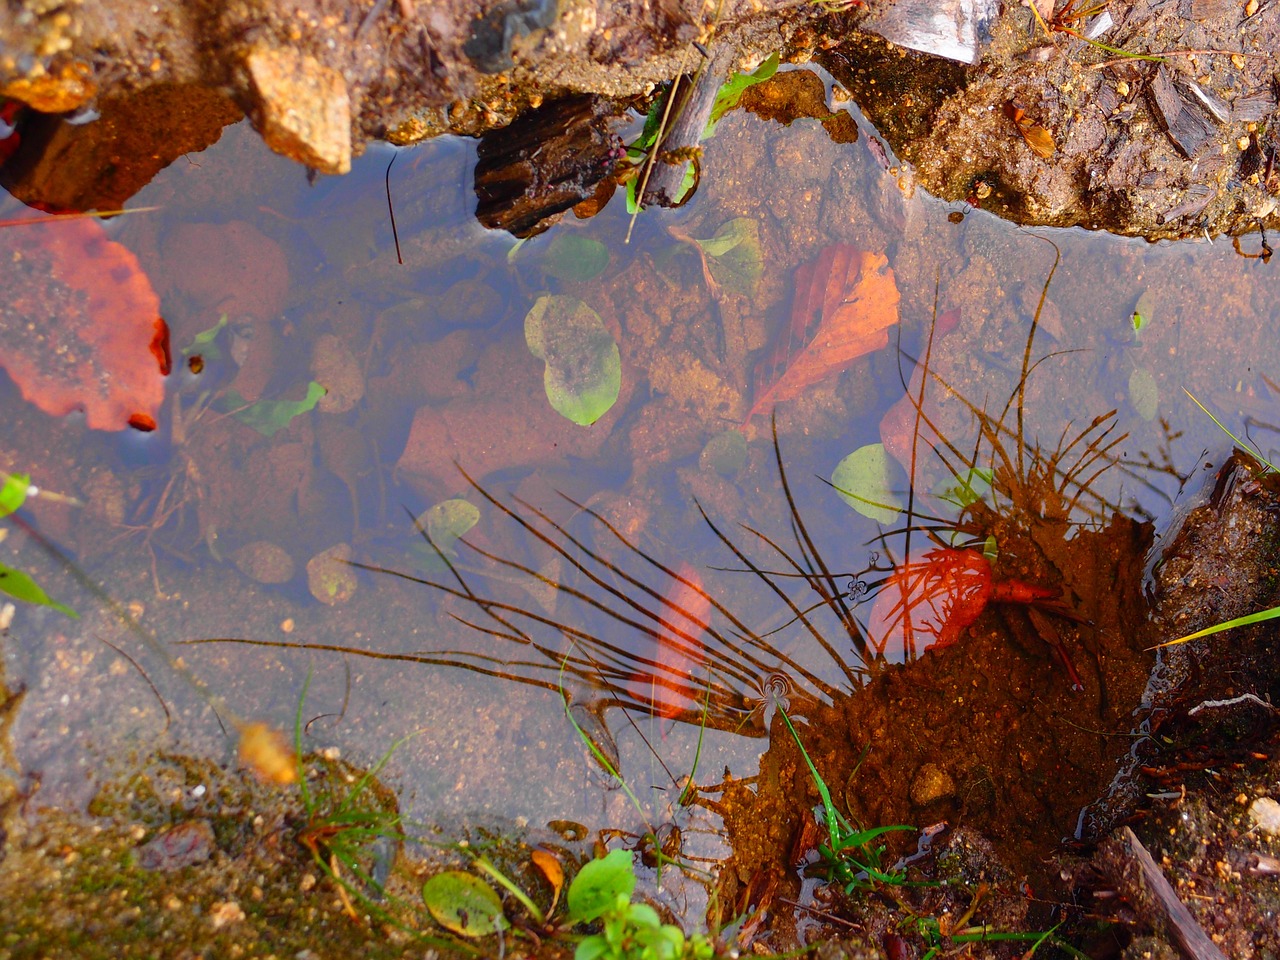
(591, 948)
(464, 904)
(571, 256)
(20, 586)
(732, 89)
(643, 915)
(736, 261)
(13, 494)
(863, 481)
(1143, 312)
(1144, 394)
(584, 369)
(450, 519)
(725, 453)
(204, 342)
(269, 417)
(599, 885)
(967, 490)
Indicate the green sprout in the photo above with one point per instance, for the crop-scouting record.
(850, 855)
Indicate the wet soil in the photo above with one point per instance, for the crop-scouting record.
(1022, 766)
(1177, 145)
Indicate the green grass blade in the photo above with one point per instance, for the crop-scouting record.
(1260, 617)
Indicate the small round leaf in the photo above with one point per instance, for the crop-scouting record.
(863, 481)
(599, 885)
(463, 904)
(584, 368)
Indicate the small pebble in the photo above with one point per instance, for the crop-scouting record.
(183, 845)
(221, 914)
(1266, 815)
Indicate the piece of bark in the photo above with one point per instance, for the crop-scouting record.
(1153, 896)
(545, 162)
(1187, 124)
(666, 179)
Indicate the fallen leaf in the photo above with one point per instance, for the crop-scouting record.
(845, 302)
(864, 481)
(684, 611)
(549, 866)
(464, 904)
(584, 369)
(1037, 138)
(265, 751)
(80, 326)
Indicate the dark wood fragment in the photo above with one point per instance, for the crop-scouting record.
(1185, 121)
(1158, 902)
(544, 163)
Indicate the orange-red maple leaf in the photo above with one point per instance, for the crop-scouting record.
(80, 326)
(845, 302)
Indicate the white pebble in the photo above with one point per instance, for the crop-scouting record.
(1266, 815)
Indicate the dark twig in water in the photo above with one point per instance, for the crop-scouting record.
(391, 210)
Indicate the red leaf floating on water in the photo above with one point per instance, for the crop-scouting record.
(845, 302)
(80, 326)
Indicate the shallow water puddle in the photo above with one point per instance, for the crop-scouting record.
(602, 552)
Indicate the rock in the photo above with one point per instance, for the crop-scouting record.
(182, 845)
(337, 369)
(931, 784)
(67, 88)
(300, 107)
(264, 561)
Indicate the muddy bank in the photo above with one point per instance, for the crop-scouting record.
(1009, 774)
(1045, 128)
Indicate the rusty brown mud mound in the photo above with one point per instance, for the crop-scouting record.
(1045, 128)
(986, 747)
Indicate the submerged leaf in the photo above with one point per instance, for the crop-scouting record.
(20, 586)
(734, 256)
(80, 326)
(863, 481)
(269, 417)
(845, 303)
(570, 256)
(1144, 394)
(584, 369)
(443, 524)
(205, 343)
(464, 904)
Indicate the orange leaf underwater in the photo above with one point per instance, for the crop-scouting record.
(670, 686)
(845, 302)
(80, 326)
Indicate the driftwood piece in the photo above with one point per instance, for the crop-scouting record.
(544, 163)
(685, 131)
(1144, 885)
